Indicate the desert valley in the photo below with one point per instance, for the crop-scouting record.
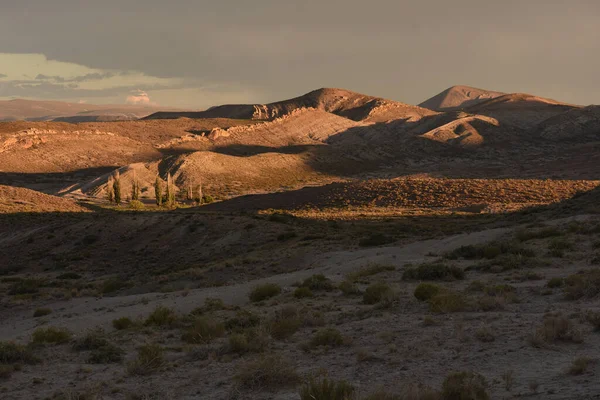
(331, 246)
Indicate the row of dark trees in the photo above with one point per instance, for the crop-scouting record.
(114, 193)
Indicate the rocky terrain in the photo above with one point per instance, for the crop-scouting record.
(331, 246)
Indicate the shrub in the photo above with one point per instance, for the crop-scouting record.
(376, 239)
(40, 312)
(109, 353)
(93, 339)
(426, 291)
(318, 282)
(285, 324)
(12, 353)
(448, 302)
(555, 328)
(161, 316)
(243, 319)
(464, 386)
(122, 323)
(330, 337)
(207, 199)
(349, 289)
(489, 251)
(204, 330)
(265, 291)
(150, 358)
(268, 372)
(113, 285)
(51, 335)
(485, 334)
(136, 205)
(433, 272)
(26, 286)
(526, 235)
(377, 292)
(580, 365)
(370, 270)
(252, 340)
(556, 283)
(303, 292)
(69, 276)
(326, 389)
(583, 285)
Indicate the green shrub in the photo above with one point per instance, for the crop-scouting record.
(150, 359)
(107, 354)
(253, 340)
(326, 389)
(161, 316)
(377, 292)
(330, 337)
(465, 386)
(243, 319)
(13, 353)
(433, 272)
(426, 291)
(40, 312)
(582, 285)
(51, 335)
(555, 328)
(448, 302)
(122, 323)
(69, 276)
(556, 283)
(376, 239)
(26, 286)
(284, 325)
(265, 291)
(370, 270)
(92, 340)
(303, 292)
(204, 330)
(348, 288)
(318, 282)
(207, 199)
(269, 372)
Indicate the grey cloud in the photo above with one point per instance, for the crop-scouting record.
(3, 76)
(404, 50)
(82, 78)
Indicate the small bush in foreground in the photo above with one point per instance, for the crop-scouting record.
(318, 282)
(580, 365)
(12, 353)
(448, 302)
(327, 337)
(204, 330)
(583, 285)
(41, 312)
(161, 316)
(433, 272)
(303, 292)
(122, 323)
(555, 328)
(267, 373)
(465, 386)
(370, 270)
(264, 292)
(285, 324)
(349, 289)
(109, 353)
(326, 389)
(51, 335)
(254, 340)
(377, 292)
(426, 291)
(149, 360)
(243, 319)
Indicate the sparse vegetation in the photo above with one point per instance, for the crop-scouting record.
(329, 337)
(318, 282)
(13, 353)
(376, 239)
(555, 328)
(150, 359)
(426, 291)
(378, 292)
(303, 292)
(449, 302)
(348, 288)
(204, 330)
(264, 292)
(326, 389)
(122, 323)
(41, 312)
(465, 385)
(162, 317)
(51, 335)
(269, 372)
(580, 365)
(369, 270)
(433, 272)
(582, 285)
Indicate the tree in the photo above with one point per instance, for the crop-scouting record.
(135, 187)
(170, 193)
(199, 194)
(158, 191)
(110, 190)
(117, 187)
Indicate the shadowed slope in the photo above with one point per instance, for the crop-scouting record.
(458, 97)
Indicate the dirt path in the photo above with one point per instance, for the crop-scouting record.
(83, 313)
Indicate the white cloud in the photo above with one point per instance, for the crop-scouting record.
(138, 97)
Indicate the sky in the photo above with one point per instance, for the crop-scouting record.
(198, 53)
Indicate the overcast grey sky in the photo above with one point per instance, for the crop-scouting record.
(197, 53)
